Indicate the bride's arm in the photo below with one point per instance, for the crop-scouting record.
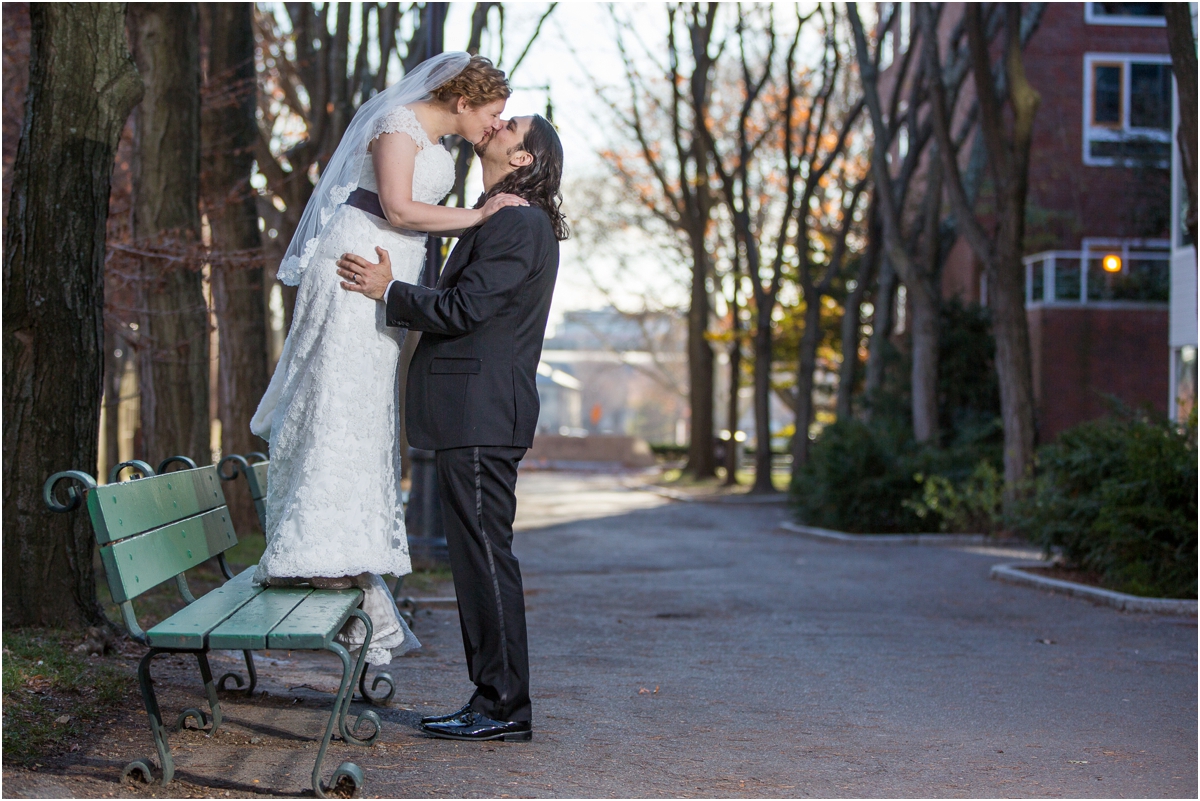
(395, 156)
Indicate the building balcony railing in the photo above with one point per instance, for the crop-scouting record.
(1091, 276)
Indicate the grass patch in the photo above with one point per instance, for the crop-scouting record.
(161, 602)
(426, 581)
(52, 696)
(247, 552)
(675, 477)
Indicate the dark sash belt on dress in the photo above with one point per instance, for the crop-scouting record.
(366, 200)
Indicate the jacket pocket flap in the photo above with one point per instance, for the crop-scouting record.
(442, 364)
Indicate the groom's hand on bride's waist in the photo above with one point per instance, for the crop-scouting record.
(366, 277)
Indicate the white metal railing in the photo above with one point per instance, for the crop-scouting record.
(1081, 276)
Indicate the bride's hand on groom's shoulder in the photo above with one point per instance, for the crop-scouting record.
(503, 200)
(366, 277)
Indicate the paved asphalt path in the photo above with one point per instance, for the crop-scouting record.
(692, 649)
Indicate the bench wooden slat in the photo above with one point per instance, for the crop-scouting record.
(313, 623)
(248, 627)
(136, 564)
(256, 478)
(131, 507)
(189, 627)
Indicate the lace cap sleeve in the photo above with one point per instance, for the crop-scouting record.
(402, 120)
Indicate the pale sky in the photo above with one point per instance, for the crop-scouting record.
(585, 28)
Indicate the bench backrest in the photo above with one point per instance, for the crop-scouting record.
(256, 478)
(152, 529)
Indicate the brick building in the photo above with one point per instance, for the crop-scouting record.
(1099, 212)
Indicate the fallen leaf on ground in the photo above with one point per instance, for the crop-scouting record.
(63, 719)
(37, 684)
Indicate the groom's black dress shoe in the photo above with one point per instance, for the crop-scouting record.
(474, 726)
(446, 718)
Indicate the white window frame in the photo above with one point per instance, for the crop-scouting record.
(1092, 18)
(1112, 134)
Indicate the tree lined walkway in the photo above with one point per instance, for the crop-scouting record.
(692, 649)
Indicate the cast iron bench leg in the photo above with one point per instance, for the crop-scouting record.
(346, 770)
(210, 690)
(350, 734)
(380, 678)
(157, 729)
(237, 679)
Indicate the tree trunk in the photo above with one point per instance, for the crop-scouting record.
(1006, 301)
(701, 461)
(1182, 42)
(805, 369)
(229, 132)
(924, 293)
(924, 340)
(173, 359)
(113, 369)
(1006, 284)
(732, 410)
(1008, 162)
(762, 406)
(852, 318)
(16, 36)
(82, 87)
(883, 301)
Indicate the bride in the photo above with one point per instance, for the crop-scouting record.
(334, 517)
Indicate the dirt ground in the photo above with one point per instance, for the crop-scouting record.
(694, 649)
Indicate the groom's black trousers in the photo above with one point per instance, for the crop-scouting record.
(478, 491)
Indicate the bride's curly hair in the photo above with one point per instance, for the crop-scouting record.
(479, 83)
(538, 182)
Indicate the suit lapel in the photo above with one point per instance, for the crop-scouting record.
(458, 259)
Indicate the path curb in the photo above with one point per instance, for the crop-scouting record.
(827, 535)
(740, 498)
(1013, 573)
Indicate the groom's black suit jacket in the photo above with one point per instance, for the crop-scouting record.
(473, 377)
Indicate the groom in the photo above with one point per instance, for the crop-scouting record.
(472, 398)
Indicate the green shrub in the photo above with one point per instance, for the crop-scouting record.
(857, 478)
(968, 389)
(1118, 496)
(974, 506)
(873, 478)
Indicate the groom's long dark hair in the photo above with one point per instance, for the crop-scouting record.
(538, 182)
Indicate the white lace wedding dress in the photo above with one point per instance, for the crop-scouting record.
(333, 505)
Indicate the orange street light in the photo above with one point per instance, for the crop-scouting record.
(1111, 263)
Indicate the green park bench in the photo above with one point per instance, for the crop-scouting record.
(255, 473)
(153, 529)
(256, 478)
